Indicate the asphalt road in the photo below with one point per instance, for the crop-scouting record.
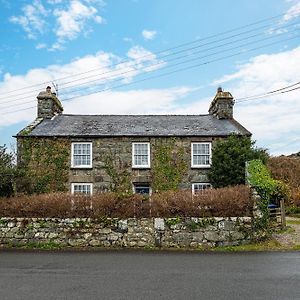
(149, 275)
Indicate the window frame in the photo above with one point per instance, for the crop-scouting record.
(82, 183)
(200, 183)
(89, 166)
(192, 155)
(134, 166)
(137, 184)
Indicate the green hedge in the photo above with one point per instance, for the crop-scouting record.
(270, 190)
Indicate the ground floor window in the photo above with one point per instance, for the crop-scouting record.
(199, 187)
(142, 188)
(82, 188)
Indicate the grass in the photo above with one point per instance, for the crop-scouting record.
(269, 245)
(293, 222)
(296, 247)
(41, 246)
(286, 230)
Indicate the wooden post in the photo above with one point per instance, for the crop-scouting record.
(246, 173)
(282, 209)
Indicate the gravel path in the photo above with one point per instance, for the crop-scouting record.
(292, 236)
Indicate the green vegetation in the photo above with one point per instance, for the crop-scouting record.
(229, 157)
(43, 165)
(173, 221)
(287, 169)
(269, 189)
(260, 246)
(296, 247)
(202, 223)
(294, 222)
(119, 174)
(169, 166)
(37, 245)
(7, 173)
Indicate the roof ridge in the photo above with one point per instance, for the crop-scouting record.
(137, 115)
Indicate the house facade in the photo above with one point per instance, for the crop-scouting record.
(96, 153)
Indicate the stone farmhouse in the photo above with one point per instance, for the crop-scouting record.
(76, 153)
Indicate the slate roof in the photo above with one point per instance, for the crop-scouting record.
(65, 125)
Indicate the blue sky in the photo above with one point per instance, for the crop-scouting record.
(85, 46)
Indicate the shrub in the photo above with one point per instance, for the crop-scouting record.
(228, 160)
(269, 189)
(7, 173)
(287, 169)
(231, 201)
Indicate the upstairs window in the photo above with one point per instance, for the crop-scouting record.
(201, 155)
(81, 155)
(141, 155)
(82, 188)
(200, 187)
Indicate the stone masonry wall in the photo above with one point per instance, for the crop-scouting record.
(121, 150)
(128, 233)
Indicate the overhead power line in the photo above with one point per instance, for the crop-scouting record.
(160, 75)
(134, 64)
(186, 61)
(155, 53)
(282, 90)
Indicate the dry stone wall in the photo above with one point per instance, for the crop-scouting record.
(128, 233)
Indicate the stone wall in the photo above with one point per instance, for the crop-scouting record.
(128, 233)
(120, 151)
(120, 148)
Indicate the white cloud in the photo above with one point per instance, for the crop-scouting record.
(66, 20)
(293, 12)
(55, 1)
(149, 34)
(41, 46)
(151, 101)
(56, 46)
(106, 71)
(72, 21)
(32, 21)
(275, 120)
(140, 60)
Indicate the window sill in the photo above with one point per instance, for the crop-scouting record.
(81, 167)
(141, 167)
(201, 167)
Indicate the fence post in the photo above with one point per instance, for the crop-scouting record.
(282, 211)
(246, 173)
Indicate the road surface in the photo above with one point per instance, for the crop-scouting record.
(149, 275)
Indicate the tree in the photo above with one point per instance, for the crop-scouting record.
(229, 157)
(7, 172)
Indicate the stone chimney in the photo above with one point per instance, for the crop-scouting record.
(48, 104)
(222, 105)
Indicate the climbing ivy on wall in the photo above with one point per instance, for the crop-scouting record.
(119, 173)
(43, 164)
(168, 166)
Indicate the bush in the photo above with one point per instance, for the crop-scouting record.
(270, 190)
(7, 173)
(287, 169)
(229, 157)
(231, 201)
(225, 202)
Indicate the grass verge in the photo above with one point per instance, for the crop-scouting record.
(293, 222)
